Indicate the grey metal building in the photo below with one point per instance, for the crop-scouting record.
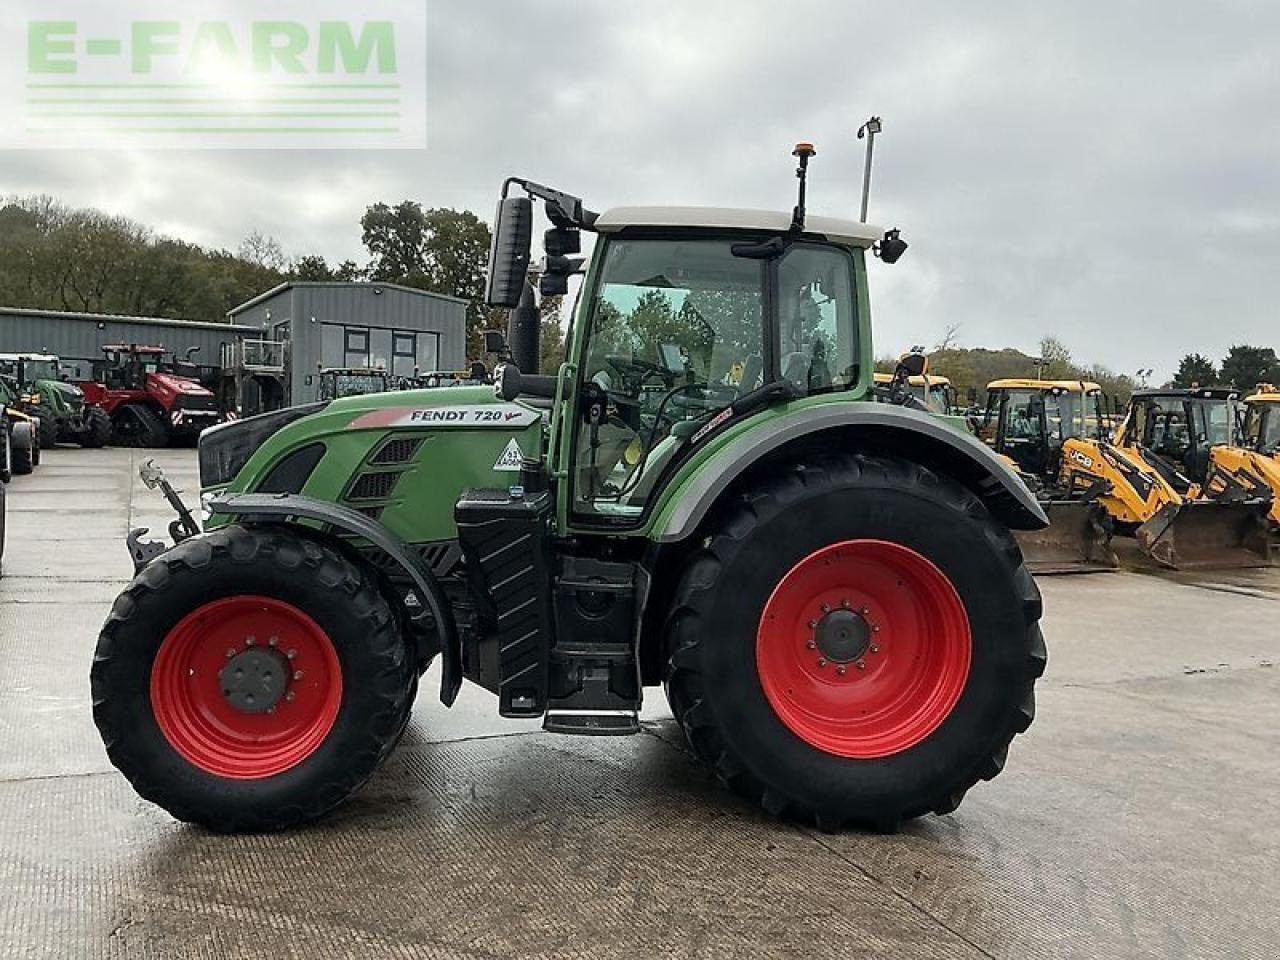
(381, 325)
(78, 338)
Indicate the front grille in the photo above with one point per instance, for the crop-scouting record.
(397, 450)
(373, 486)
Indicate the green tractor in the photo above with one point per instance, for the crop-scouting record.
(60, 407)
(703, 496)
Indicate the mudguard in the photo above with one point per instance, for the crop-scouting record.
(281, 506)
(867, 427)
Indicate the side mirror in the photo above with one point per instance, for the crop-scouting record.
(509, 252)
(912, 365)
(494, 342)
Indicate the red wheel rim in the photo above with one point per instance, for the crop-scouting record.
(202, 724)
(863, 648)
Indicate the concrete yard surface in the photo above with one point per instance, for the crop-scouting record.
(1136, 818)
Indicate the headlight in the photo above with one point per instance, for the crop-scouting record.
(225, 449)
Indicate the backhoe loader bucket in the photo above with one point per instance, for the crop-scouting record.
(1200, 534)
(1077, 539)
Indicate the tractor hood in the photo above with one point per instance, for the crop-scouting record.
(172, 385)
(70, 395)
(402, 457)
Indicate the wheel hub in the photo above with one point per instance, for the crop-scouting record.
(842, 636)
(254, 680)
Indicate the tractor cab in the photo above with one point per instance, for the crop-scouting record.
(935, 392)
(1178, 428)
(126, 366)
(335, 382)
(1028, 421)
(1262, 421)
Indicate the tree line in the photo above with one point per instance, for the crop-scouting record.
(970, 369)
(1244, 367)
(55, 257)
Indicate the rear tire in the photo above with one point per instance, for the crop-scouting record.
(134, 425)
(162, 661)
(918, 715)
(48, 425)
(23, 450)
(97, 431)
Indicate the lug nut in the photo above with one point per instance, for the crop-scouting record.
(273, 641)
(250, 641)
(864, 611)
(840, 669)
(845, 603)
(297, 674)
(811, 645)
(826, 608)
(822, 661)
(861, 664)
(875, 628)
(291, 654)
(231, 652)
(875, 648)
(812, 624)
(290, 695)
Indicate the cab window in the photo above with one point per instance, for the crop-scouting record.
(816, 325)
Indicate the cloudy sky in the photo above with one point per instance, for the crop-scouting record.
(1107, 173)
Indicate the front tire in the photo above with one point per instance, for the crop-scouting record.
(97, 432)
(48, 425)
(171, 679)
(856, 642)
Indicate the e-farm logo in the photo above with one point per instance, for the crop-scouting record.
(271, 73)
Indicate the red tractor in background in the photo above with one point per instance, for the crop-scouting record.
(153, 399)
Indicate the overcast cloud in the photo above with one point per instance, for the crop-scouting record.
(1106, 173)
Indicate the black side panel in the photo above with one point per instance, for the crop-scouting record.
(505, 541)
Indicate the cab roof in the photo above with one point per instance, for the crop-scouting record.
(1199, 393)
(1267, 396)
(848, 233)
(920, 381)
(27, 356)
(1071, 386)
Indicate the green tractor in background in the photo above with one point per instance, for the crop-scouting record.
(63, 414)
(703, 496)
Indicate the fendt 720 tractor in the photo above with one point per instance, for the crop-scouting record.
(702, 496)
(151, 401)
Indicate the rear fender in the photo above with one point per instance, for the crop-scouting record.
(286, 507)
(872, 428)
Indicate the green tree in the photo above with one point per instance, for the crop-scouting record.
(310, 269)
(1245, 366)
(1195, 370)
(441, 250)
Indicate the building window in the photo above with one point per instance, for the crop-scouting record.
(356, 347)
(404, 354)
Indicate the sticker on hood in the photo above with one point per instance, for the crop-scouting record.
(511, 459)
(476, 416)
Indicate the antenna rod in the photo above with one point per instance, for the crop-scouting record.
(804, 151)
(868, 130)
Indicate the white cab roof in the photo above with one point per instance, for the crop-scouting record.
(835, 229)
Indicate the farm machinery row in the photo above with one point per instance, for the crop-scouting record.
(137, 396)
(1191, 475)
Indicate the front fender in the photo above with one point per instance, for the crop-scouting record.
(282, 506)
(875, 428)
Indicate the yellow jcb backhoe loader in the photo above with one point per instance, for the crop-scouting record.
(1187, 436)
(1055, 432)
(1224, 448)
